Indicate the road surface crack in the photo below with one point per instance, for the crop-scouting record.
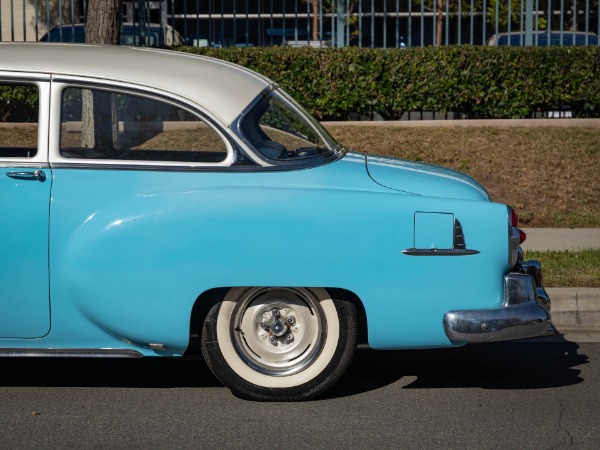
(563, 408)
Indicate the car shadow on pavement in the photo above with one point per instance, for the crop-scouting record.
(508, 365)
(125, 373)
(516, 365)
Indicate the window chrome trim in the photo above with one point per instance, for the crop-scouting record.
(27, 77)
(59, 84)
(338, 152)
(6, 164)
(236, 126)
(83, 165)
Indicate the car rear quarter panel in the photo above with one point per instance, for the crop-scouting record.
(132, 250)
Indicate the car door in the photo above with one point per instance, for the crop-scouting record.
(25, 182)
(129, 167)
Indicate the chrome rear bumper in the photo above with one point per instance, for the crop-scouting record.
(525, 312)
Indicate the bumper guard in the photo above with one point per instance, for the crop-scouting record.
(525, 312)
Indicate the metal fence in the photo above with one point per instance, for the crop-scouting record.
(319, 23)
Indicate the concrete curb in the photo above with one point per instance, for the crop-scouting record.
(575, 308)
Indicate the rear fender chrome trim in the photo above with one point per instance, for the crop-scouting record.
(459, 246)
(439, 252)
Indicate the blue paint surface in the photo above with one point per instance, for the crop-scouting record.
(24, 301)
(434, 230)
(131, 251)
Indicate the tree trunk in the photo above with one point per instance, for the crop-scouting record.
(315, 19)
(103, 26)
(439, 23)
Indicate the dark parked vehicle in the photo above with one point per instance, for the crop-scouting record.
(543, 39)
(148, 35)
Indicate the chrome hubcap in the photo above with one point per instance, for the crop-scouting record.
(278, 331)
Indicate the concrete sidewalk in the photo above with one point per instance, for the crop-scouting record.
(561, 238)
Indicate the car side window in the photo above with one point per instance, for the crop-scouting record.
(19, 111)
(101, 124)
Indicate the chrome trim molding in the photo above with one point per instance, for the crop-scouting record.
(459, 236)
(533, 268)
(158, 168)
(7, 76)
(339, 151)
(515, 253)
(459, 246)
(439, 252)
(525, 313)
(6, 164)
(61, 83)
(69, 353)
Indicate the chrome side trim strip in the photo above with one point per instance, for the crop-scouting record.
(5, 164)
(158, 168)
(439, 252)
(69, 353)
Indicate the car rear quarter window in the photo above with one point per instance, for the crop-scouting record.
(19, 112)
(101, 124)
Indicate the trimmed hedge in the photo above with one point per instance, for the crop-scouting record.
(481, 82)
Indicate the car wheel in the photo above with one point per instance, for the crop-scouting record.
(279, 344)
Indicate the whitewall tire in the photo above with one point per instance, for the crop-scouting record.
(277, 343)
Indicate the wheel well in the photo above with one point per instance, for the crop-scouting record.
(202, 306)
(209, 298)
(344, 294)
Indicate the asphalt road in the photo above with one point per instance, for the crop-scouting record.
(509, 395)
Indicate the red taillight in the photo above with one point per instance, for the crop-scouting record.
(514, 218)
(522, 236)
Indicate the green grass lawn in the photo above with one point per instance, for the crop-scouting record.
(568, 268)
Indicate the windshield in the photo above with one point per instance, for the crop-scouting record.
(281, 130)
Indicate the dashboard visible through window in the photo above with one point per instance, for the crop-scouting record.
(281, 130)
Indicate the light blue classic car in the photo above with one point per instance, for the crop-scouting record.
(156, 203)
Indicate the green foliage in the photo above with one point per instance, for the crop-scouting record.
(18, 103)
(485, 82)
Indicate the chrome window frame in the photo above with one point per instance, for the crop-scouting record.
(338, 151)
(61, 82)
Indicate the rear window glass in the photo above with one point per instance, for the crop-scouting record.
(101, 124)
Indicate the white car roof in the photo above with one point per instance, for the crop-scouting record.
(221, 87)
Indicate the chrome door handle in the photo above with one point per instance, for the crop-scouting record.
(39, 175)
